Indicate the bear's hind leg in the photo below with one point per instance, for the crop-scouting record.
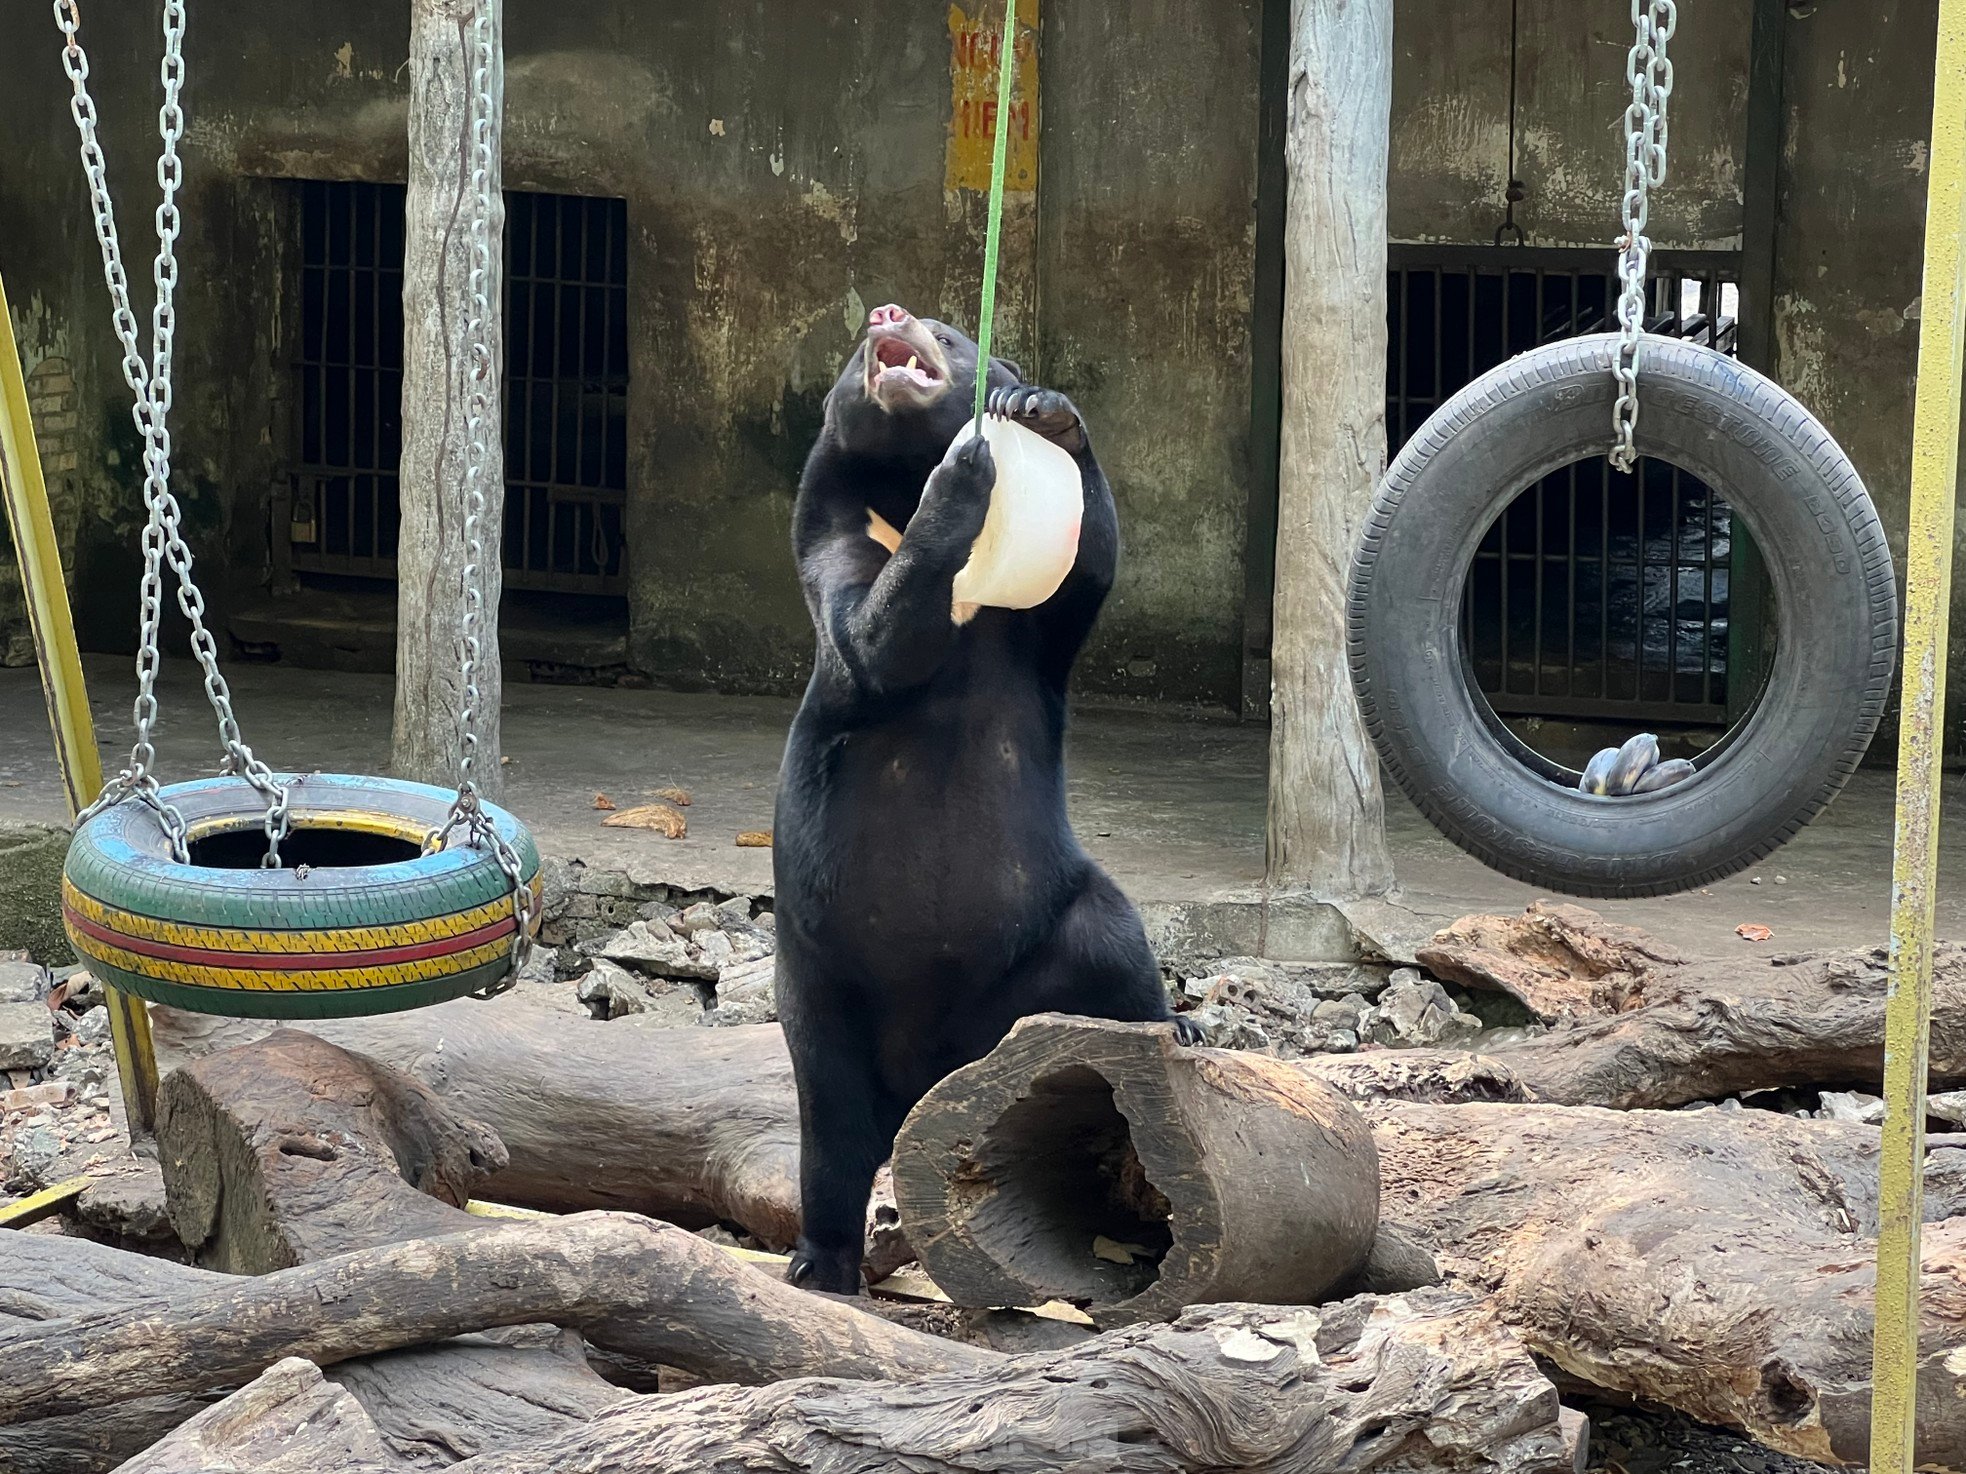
(1097, 964)
(847, 1125)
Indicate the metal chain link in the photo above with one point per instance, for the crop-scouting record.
(1650, 74)
(150, 387)
(481, 378)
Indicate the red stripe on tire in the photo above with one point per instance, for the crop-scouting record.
(289, 961)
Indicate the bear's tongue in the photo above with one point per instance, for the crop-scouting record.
(893, 353)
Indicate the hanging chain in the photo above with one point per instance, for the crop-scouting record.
(1650, 74)
(150, 387)
(481, 379)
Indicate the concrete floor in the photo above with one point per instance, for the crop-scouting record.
(1174, 808)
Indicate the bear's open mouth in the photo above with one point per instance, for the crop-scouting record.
(900, 365)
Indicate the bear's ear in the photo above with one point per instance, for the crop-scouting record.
(1016, 373)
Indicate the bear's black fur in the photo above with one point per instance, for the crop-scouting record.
(929, 890)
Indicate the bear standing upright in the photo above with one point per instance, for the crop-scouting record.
(929, 889)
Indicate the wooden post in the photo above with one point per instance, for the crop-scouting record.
(1327, 818)
(436, 367)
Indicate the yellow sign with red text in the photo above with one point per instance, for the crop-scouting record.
(974, 38)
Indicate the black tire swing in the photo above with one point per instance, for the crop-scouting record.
(1785, 477)
(279, 895)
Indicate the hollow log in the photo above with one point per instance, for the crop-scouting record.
(1105, 1164)
(1414, 1384)
(1718, 1262)
(290, 1149)
(634, 1287)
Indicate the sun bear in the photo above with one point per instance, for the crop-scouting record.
(929, 888)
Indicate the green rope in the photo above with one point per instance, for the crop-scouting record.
(994, 229)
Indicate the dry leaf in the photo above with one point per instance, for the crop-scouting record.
(677, 796)
(1114, 1252)
(603, 802)
(1753, 931)
(754, 839)
(659, 817)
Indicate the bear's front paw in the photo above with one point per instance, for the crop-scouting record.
(1046, 411)
(969, 468)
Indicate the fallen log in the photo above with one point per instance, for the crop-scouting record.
(632, 1286)
(1415, 1384)
(1692, 1031)
(431, 1405)
(291, 1149)
(1106, 1164)
(695, 1126)
(288, 1420)
(1717, 1262)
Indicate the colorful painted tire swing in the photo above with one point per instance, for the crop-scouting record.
(1786, 479)
(272, 895)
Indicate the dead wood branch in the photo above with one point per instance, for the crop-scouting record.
(431, 1405)
(1105, 1164)
(1680, 1031)
(1561, 962)
(631, 1286)
(1414, 1384)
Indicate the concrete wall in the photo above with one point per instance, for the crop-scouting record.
(1848, 265)
(1451, 145)
(785, 168)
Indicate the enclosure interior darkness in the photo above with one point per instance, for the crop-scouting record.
(1596, 595)
(566, 386)
(1056, 1174)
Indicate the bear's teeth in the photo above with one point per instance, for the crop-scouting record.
(912, 362)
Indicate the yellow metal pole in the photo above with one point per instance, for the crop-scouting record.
(25, 497)
(1921, 729)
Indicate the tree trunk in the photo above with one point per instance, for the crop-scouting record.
(1327, 815)
(646, 1290)
(1722, 1263)
(289, 1150)
(1423, 1384)
(437, 379)
(1104, 1164)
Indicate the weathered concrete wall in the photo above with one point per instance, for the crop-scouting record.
(785, 168)
(1450, 141)
(1851, 238)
